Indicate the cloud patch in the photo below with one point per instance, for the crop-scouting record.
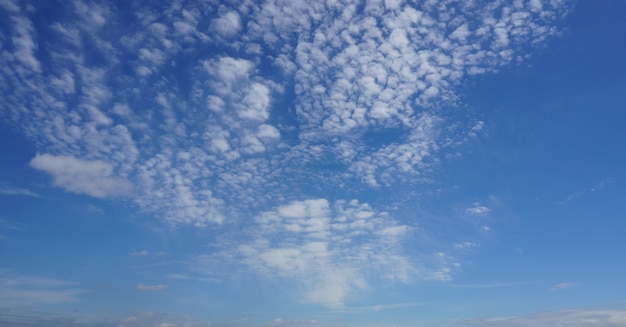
(331, 249)
(95, 178)
(18, 290)
(146, 287)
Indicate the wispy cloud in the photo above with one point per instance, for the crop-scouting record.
(490, 285)
(11, 225)
(146, 287)
(6, 189)
(578, 318)
(562, 286)
(596, 188)
(26, 290)
(379, 307)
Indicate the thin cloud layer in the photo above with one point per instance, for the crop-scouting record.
(17, 290)
(264, 116)
(574, 318)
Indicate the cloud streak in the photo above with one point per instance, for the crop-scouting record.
(577, 318)
(18, 290)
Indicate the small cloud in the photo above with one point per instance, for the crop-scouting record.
(139, 253)
(144, 287)
(95, 178)
(477, 209)
(562, 286)
(595, 188)
(466, 245)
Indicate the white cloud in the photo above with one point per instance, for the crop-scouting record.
(139, 253)
(255, 103)
(25, 45)
(314, 98)
(93, 178)
(329, 249)
(536, 5)
(246, 142)
(6, 189)
(10, 5)
(477, 209)
(227, 25)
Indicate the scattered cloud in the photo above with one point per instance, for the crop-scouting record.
(178, 276)
(562, 286)
(145, 287)
(490, 285)
(93, 178)
(6, 189)
(9, 318)
(477, 209)
(574, 318)
(279, 322)
(137, 319)
(330, 249)
(364, 93)
(379, 307)
(596, 188)
(26, 290)
(466, 245)
(307, 105)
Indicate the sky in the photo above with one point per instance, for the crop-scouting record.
(333, 163)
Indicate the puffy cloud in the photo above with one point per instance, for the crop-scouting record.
(308, 83)
(227, 25)
(477, 209)
(330, 249)
(93, 178)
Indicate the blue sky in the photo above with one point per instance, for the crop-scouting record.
(312, 163)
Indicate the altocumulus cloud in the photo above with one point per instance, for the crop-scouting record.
(269, 118)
